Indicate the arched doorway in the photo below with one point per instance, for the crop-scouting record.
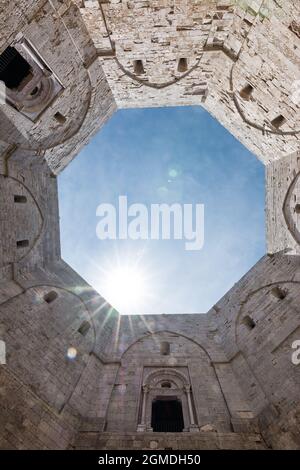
(167, 415)
(167, 403)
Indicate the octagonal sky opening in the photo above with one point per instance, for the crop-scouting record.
(154, 156)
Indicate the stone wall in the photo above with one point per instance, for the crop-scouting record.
(28, 422)
(258, 320)
(62, 41)
(168, 441)
(226, 45)
(282, 211)
(188, 359)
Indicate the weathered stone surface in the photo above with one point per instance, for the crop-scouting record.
(169, 441)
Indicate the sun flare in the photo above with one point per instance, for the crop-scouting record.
(125, 287)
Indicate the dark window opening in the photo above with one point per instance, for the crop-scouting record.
(249, 322)
(278, 122)
(246, 92)
(13, 68)
(50, 296)
(60, 118)
(167, 416)
(297, 208)
(20, 199)
(182, 65)
(166, 385)
(138, 67)
(22, 243)
(279, 293)
(35, 91)
(165, 348)
(84, 328)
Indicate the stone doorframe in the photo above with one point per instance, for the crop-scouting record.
(180, 389)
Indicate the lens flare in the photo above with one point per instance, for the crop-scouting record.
(71, 353)
(125, 288)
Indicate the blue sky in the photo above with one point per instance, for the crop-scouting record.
(135, 154)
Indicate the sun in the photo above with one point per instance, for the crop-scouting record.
(125, 287)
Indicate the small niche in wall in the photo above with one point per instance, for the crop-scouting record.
(50, 296)
(35, 91)
(165, 348)
(19, 199)
(295, 28)
(60, 118)
(166, 385)
(182, 65)
(279, 293)
(84, 327)
(278, 121)
(246, 92)
(22, 243)
(138, 67)
(249, 322)
(297, 208)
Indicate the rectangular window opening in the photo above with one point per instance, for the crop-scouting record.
(246, 92)
(22, 243)
(14, 69)
(60, 118)
(20, 199)
(278, 121)
(182, 65)
(138, 67)
(84, 328)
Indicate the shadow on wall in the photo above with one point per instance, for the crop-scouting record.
(10, 134)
